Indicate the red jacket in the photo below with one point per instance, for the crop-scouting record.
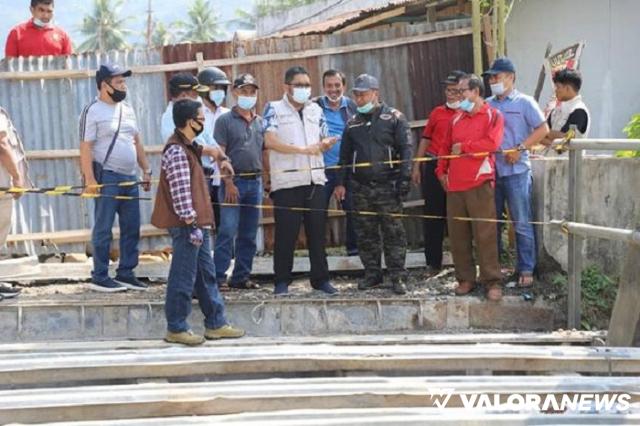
(478, 133)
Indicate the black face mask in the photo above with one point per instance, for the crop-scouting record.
(117, 95)
(199, 131)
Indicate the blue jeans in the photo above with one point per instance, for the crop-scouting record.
(347, 204)
(129, 221)
(239, 224)
(516, 192)
(192, 269)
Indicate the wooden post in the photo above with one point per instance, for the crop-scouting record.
(501, 27)
(476, 19)
(200, 61)
(624, 327)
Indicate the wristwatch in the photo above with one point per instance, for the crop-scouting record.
(148, 172)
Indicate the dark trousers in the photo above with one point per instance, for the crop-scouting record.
(214, 191)
(332, 181)
(288, 227)
(435, 204)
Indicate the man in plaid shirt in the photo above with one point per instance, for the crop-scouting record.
(183, 206)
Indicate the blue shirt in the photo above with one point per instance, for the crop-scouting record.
(336, 123)
(522, 116)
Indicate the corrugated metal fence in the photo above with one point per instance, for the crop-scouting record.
(46, 111)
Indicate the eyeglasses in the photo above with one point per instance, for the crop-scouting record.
(464, 89)
(299, 86)
(453, 91)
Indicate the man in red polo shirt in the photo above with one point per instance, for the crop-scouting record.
(424, 173)
(469, 182)
(38, 36)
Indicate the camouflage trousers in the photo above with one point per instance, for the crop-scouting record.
(380, 233)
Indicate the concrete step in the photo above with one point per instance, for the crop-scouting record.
(235, 397)
(40, 368)
(132, 317)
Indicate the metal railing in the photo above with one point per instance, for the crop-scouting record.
(573, 225)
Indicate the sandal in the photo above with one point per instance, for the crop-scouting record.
(525, 280)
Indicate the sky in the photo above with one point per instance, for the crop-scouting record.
(69, 13)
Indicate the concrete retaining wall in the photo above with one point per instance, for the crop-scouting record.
(73, 321)
(611, 197)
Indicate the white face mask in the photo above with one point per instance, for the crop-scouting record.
(453, 105)
(40, 24)
(498, 89)
(217, 97)
(301, 94)
(247, 102)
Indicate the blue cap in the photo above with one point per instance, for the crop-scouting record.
(503, 64)
(110, 70)
(365, 82)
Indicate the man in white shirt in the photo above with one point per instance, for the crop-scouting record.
(213, 91)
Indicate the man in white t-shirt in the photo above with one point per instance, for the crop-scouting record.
(13, 173)
(111, 150)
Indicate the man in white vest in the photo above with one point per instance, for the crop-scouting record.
(570, 109)
(296, 136)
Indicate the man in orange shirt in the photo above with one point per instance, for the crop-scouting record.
(38, 36)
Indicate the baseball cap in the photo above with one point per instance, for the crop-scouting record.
(110, 70)
(245, 80)
(454, 77)
(365, 82)
(184, 81)
(501, 65)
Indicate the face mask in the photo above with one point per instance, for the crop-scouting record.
(467, 105)
(498, 89)
(217, 97)
(301, 94)
(117, 95)
(247, 102)
(453, 105)
(40, 24)
(366, 109)
(334, 100)
(199, 131)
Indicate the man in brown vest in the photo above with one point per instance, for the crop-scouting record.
(183, 206)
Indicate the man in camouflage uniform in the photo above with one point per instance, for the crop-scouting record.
(377, 134)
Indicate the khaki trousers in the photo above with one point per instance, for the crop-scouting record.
(480, 203)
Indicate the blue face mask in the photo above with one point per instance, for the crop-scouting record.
(467, 105)
(301, 94)
(247, 102)
(366, 109)
(217, 97)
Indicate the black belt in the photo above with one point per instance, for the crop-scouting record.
(249, 175)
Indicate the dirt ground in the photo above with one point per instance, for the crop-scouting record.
(440, 286)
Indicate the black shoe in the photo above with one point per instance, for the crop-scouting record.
(399, 287)
(352, 252)
(370, 282)
(431, 272)
(8, 292)
(131, 283)
(107, 286)
(327, 288)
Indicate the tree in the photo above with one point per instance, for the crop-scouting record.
(164, 35)
(244, 20)
(269, 7)
(105, 28)
(203, 25)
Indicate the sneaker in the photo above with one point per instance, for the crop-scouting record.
(224, 332)
(327, 288)
(188, 338)
(281, 290)
(399, 287)
(131, 283)
(8, 292)
(370, 282)
(107, 286)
